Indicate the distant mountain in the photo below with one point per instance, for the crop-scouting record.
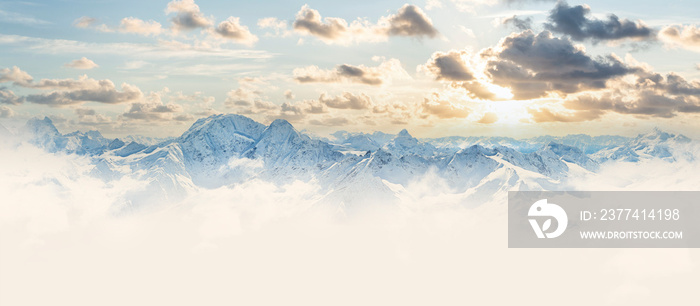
(656, 144)
(352, 168)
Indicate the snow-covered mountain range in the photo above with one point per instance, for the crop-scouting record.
(351, 168)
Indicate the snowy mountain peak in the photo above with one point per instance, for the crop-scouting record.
(657, 135)
(41, 127)
(280, 129)
(405, 144)
(115, 144)
(281, 124)
(560, 149)
(404, 133)
(230, 123)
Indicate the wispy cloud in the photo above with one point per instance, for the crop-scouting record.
(17, 18)
(161, 49)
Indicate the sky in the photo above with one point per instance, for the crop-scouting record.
(516, 68)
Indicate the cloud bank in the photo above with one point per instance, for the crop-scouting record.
(62, 230)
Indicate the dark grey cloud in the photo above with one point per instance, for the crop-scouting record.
(533, 65)
(519, 23)
(575, 22)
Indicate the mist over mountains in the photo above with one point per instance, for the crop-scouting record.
(351, 169)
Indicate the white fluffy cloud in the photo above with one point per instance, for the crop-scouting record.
(138, 26)
(188, 16)
(687, 37)
(233, 30)
(82, 63)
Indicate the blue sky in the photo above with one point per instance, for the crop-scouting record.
(400, 63)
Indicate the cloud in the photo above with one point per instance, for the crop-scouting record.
(331, 121)
(152, 109)
(82, 63)
(574, 22)
(13, 17)
(266, 237)
(470, 6)
(347, 101)
(84, 22)
(104, 92)
(15, 75)
(521, 24)
(409, 21)
(456, 68)
(687, 37)
(296, 111)
(279, 27)
(70, 91)
(525, 66)
(248, 101)
(288, 94)
(652, 95)
(188, 16)
(138, 26)
(431, 4)
(534, 65)
(546, 115)
(649, 94)
(89, 117)
(9, 97)
(233, 30)
(440, 107)
(5, 112)
(449, 66)
(161, 49)
(241, 96)
(330, 29)
(488, 118)
(374, 76)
